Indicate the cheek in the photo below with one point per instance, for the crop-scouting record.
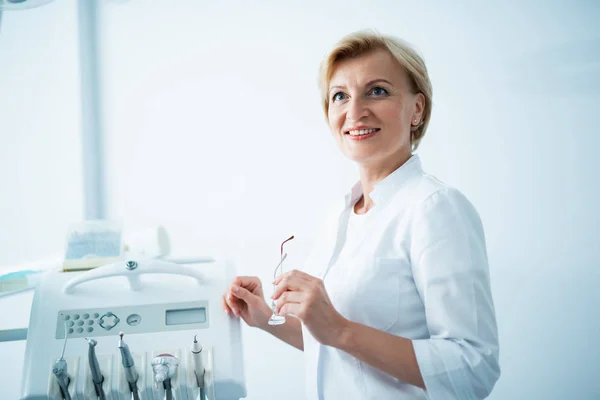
(395, 118)
(334, 121)
(394, 114)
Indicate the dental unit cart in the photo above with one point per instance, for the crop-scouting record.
(147, 330)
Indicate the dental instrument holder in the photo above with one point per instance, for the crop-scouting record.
(156, 324)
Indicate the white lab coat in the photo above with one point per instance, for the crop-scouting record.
(414, 266)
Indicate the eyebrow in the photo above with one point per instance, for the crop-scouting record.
(367, 84)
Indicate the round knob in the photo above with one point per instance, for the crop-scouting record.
(131, 265)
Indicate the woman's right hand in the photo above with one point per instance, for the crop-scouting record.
(244, 298)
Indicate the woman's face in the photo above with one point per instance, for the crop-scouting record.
(371, 109)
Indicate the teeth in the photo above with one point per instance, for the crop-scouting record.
(361, 132)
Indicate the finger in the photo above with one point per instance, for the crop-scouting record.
(294, 273)
(291, 283)
(234, 303)
(243, 294)
(288, 298)
(225, 306)
(249, 282)
(288, 285)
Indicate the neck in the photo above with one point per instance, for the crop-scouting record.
(370, 174)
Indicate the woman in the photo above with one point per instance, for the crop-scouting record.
(394, 301)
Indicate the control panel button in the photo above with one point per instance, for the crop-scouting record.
(86, 316)
(109, 321)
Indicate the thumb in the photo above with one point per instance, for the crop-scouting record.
(243, 294)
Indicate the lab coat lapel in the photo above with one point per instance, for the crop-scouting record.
(379, 221)
(337, 231)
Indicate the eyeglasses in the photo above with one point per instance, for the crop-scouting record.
(278, 319)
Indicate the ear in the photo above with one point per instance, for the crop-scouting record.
(419, 109)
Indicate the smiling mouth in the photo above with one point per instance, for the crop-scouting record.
(361, 132)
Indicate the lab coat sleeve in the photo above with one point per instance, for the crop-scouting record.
(460, 360)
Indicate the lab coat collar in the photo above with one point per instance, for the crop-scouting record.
(388, 186)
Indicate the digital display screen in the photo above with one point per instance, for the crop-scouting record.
(186, 316)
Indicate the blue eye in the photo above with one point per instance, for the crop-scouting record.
(338, 96)
(379, 91)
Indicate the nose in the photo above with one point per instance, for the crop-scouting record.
(357, 110)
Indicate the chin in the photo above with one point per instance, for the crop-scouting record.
(363, 158)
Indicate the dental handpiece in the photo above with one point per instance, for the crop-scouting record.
(164, 367)
(197, 358)
(97, 377)
(198, 366)
(131, 374)
(60, 370)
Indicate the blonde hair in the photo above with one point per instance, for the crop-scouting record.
(362, 42)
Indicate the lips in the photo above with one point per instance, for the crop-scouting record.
(361, 132)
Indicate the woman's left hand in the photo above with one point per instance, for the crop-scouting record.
(304, 296)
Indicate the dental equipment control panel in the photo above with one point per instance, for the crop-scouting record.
(140, 319)
(149, 332)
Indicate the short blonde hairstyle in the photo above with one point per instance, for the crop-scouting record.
(362, 42)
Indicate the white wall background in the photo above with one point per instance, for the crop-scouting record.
(40, 151)
(214, 129)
